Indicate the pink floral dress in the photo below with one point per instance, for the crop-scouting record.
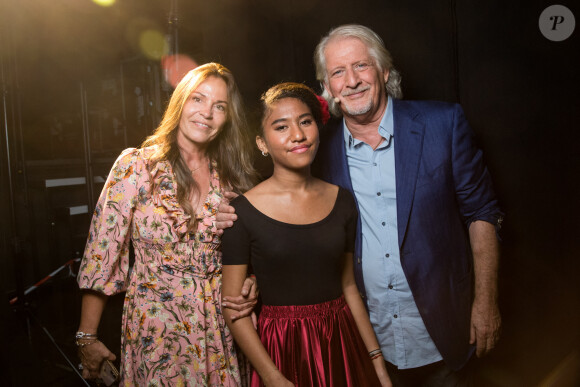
(173, 332)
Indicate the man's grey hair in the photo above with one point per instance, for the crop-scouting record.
(377, 50)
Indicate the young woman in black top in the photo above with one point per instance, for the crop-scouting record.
(298, 234)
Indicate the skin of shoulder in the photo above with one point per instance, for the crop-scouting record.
(297, 206)
(267, 189)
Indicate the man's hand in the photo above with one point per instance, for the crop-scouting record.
(226, 215)
(485, 318)
(485, 326)
(244, 303)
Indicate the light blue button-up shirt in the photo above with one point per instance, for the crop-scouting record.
(394, 315)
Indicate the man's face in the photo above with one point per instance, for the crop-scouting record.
(354, 78)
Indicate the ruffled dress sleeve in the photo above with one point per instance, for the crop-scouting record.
(105, 264)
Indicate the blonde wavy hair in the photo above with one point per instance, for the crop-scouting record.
(231, 148)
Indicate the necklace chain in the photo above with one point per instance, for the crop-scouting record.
(195, 169)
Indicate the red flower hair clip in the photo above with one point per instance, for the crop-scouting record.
(324, 109)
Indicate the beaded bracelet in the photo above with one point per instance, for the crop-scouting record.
(89, 337)
(83, 335)
(375, 352)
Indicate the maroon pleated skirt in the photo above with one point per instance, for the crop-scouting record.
(316, 345)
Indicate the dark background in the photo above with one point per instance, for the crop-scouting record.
(77, 89)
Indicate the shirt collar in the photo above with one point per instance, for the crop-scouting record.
(386, 126)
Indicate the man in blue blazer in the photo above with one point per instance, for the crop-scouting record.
(426, 255)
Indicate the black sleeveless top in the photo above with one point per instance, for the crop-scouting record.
(294, 264)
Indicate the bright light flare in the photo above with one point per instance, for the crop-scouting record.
(104, 3)
(175, 67)
(153, 44)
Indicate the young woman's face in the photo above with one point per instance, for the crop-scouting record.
(204, 112)
(290, 134)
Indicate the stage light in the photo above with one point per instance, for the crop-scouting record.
(153, 44)
(104, 3)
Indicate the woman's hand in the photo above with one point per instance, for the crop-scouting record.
(245, 302)
(226, 215)
(92, 357)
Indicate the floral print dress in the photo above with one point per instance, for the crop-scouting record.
(173, 332)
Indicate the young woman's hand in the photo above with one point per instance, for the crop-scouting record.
(277, 380)
(381, 369)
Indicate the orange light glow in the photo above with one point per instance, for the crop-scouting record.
(176, 66)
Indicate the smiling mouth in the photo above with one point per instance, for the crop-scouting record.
(355, 93)
(300, 149)
(201, 124)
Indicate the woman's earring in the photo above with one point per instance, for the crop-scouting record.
(265, 154)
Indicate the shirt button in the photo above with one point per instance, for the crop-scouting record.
(390, 286)
(375, 164)
(383, 223)
(387, 255)
(378, 194)
(395, 316)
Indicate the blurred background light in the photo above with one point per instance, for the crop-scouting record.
(104, 3)
(176, 66)
(153, 44)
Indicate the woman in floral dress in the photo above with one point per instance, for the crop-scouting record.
(163, 198)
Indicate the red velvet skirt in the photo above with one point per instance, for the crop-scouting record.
(316, 345)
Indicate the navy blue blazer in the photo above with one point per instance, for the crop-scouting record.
(442, 186)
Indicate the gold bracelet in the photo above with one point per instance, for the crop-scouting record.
(85, 343)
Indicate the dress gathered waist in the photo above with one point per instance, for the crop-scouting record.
(322, 309)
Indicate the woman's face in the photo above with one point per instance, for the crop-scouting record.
(290, 134)
(204, 113)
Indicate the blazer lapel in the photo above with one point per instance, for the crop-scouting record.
(408, 134)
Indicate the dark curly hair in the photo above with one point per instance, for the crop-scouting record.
(294, 90)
